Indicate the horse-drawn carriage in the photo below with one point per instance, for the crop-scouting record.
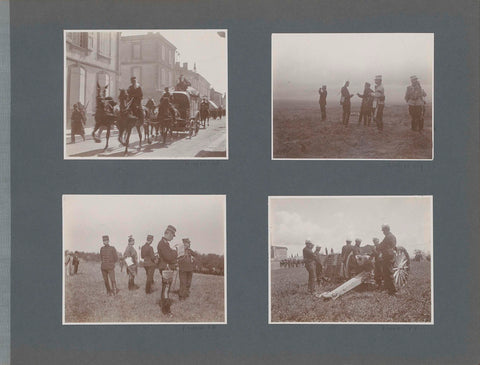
(359, 268)
(186, 104)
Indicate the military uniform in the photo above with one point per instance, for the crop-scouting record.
(414, 98)
(323, 102)
(131, 269)
(379, 102)
(346, 104)
(185, 267)
(366, 107)
(149, 264)
(387, 249)
(309, 260)
(135, 92)
(318, 265)
(108, 256)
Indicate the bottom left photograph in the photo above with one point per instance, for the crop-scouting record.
(144, 259)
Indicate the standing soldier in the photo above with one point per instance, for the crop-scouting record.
(387, 250)
(346, 249)
(166, 260)
(77, 123)
(309, 259)
(379, 102)
(416, 105)
(356, 248)
(148, 257)
(366, 107)
(135, 94)
(185, 267)
(378, 263)
(323, 101)
(75, 262)
(318, 264)
(345, 101)
(68, 263)
(108, 256)
(131, 258)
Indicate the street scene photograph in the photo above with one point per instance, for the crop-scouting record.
(352, 96)
(351, 259)
(145, 94)
(144, 259)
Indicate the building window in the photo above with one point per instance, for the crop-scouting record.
(104, 43)
(164, 80)
(77, 85)
(80, 39)
(137, 72)
(91, 36)
(163, 52)
(136, 51)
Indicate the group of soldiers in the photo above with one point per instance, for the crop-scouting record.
(383, 254)
(168, 260)
(71, 262)
(373, 103)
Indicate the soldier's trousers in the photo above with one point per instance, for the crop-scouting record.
(346, 113)
(185, 283)
(323, 110)
(387, 271)
(109, 274)
(415, 112)
(318, 271)
(311, 276)
(365, 114)
(149, 270)
(379, 116)
(378, 276)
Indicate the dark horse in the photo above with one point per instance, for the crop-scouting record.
(104, 114)
(150, 120)
(204, 114)
(127, 120)
(166, 117)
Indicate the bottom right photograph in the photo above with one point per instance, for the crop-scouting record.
(351, 259)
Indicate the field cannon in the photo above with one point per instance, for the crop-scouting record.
(359, 268)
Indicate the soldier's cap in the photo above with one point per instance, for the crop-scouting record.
(131, 239)
(385, 226)
(324, 86)
(358, 240)
(133, 78)
(378, 77)
(348, 240)
(149, 237)
(171, 229)
(308, 242)
(186, 240)
(105, 238)
(413, 77)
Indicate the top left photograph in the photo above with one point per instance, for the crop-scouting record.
(145, 94)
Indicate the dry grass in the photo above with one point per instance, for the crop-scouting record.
(290, 301)
(86, 299)
(298, 132)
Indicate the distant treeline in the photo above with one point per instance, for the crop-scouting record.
(204, 263)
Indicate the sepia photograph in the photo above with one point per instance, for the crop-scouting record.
(145, 94)
(351, 259)
(366, 96)
(144, 259)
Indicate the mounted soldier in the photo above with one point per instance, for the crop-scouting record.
(135, 95)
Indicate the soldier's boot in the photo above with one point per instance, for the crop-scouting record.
(134, 286)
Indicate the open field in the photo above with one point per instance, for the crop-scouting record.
(298, 132)
(86, 299)
(290, 301)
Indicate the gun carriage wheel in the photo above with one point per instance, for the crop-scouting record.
(401, 268)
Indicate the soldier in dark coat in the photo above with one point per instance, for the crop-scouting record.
(108, 256)
(149, 264)
(318, 264)
(378, 277)
(309, 259)
(78, 123)
(345, 101)
(182, 84)
(185, 267)
(387, 249)
(323, 101)
(416, 105)
(346, 249)
(167, 258)
(75, 262)
(135, 94)
(367, 103)
(133, 267)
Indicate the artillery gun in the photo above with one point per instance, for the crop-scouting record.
(359, 268)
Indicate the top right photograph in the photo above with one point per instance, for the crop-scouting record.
(353, 96)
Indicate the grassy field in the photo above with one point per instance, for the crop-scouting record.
(290, 301)
(298, 132)
(86, 299)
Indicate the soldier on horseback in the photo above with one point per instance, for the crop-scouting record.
(135, 95)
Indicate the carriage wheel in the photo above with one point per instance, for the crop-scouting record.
(350, 266)
(401, 268)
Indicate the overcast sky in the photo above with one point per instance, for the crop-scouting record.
(302, 63)
(198, 217)
(205, 47)
(329, 221)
